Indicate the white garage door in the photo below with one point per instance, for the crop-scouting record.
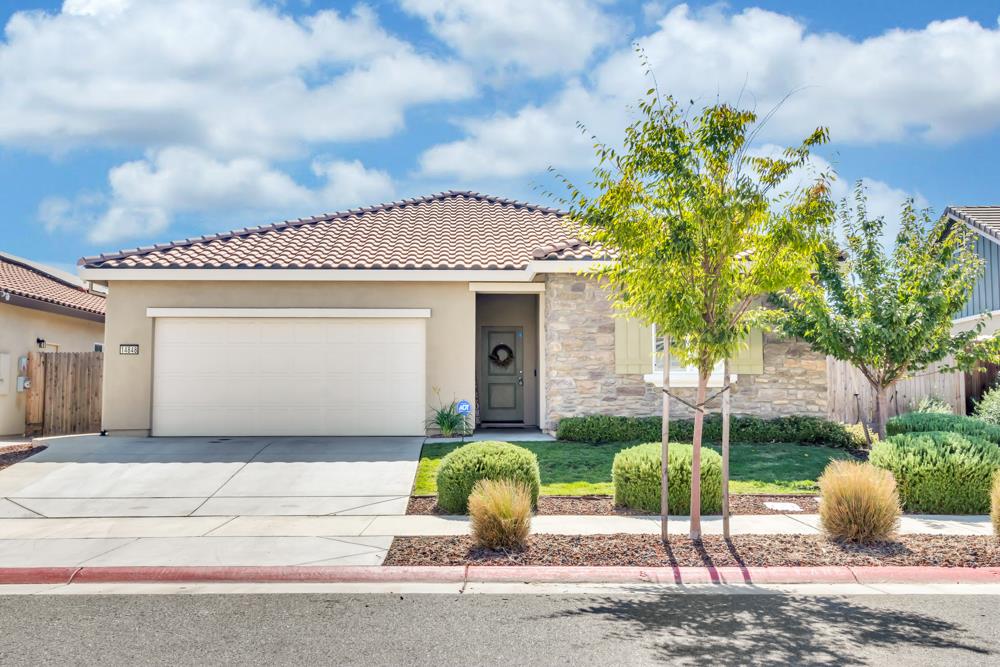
(288, 376)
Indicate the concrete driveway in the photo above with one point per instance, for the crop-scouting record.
(91, 476)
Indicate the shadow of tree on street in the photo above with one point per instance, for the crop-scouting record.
(724, 629)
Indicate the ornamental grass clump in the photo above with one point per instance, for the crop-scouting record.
(940, 473)
(859, 502)
(500, 514)
(463, 467)
(636, 476)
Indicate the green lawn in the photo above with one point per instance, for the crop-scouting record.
(578, 469)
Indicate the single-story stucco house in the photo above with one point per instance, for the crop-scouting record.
(355, 323)
(42, 309)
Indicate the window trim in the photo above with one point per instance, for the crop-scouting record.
(687, 376)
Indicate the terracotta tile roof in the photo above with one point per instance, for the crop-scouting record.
(450, 230)
(984, 218)
(31, 282)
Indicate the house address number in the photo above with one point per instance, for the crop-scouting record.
(128, 348)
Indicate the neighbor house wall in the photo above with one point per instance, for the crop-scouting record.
(580, 376)
(19, 329)
(128, 379)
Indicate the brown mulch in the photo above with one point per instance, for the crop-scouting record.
(741, 550)
(14, 453)
(605, 505)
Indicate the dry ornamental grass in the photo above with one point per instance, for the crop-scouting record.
(859, 502)
(500, 514)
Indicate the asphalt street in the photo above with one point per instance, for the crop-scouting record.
(347, 629)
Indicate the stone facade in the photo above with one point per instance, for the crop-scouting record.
(580, 376)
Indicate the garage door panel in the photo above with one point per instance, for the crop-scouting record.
(274, 376)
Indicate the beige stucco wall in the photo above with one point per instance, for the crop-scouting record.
(514, 310)
(128, 379)
(19, 328)
(580, 366)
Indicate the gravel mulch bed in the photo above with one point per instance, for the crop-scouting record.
(12, 454)
(604, 505)
(741, 550)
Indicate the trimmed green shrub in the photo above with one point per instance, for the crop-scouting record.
(921, 422)
(995, 504)
(857, 434)
(636, 476)
(933, 405)
(463, 467)
(939, 472)
(988, 407)
(805, 430)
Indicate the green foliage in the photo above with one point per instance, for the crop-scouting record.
(463, 467)
(636, 475)
(447, 420)
(856, 432)
(920, 422)
(500, 514)
(934, 405)
(859, 502)
(804, 430)
(889, 313)
(988, 407)
(938, 472)
(995, 504)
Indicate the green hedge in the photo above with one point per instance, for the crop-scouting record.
(636, 476)
(939, 472)
(463, 467)
(922, 422)
(805, 430)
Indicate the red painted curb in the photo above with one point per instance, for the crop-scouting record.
(503, 574)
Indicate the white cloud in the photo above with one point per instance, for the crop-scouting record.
(539, 38)
(147, 194)
(232, 76)
(937, 84)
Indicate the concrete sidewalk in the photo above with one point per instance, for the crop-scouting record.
(335, 540)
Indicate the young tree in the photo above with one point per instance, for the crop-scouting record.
(698, 233)
(889, 313)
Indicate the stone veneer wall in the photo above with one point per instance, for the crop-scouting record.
(580, 376)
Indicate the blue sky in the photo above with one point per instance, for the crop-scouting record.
(130, 122)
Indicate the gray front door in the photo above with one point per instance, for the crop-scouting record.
(502, 363)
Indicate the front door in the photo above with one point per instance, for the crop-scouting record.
(502, 364)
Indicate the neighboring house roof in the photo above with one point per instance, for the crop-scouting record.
(985, 219)
(31, 285)
(449, 230)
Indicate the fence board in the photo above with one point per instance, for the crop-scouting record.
(850, 398)
(65, 393)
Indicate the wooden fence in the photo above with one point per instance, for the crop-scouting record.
(976, 384)
(65, 393)
(849, 395)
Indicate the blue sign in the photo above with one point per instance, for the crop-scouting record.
(463, 407)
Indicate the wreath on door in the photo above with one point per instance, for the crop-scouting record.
(502, 355)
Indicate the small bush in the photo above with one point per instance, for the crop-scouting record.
(939, 472)
(858, 503)
(933, 405)
(500, 513)
(922, 422)
(636, 476)
(463, 467)
(857, 435)
(995, 504)
(988, 407)
(805, 430)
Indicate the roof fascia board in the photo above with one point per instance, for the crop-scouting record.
(53, 308)
(982, 230)
(507, 288)
(310, 275)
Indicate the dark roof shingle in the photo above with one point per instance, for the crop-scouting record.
(31, 282)
(450, 230)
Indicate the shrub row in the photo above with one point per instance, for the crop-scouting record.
(922, 422)
(940, 472)
(805, 430)
(636, 476)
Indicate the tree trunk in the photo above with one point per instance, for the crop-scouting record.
(725, 450)
(699, 423)
(665, 438)
(881, 409)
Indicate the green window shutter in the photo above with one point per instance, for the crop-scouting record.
(749, 360)
(633, 347)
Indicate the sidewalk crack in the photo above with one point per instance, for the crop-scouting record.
(27, 509)
(132, 540)
(215, 528)
(230, 478)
